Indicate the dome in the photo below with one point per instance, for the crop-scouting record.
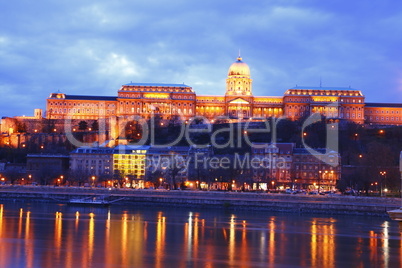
(239, 68)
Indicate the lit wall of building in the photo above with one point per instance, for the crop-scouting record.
(296, 168)
(92, 161)
(179, 100)
(130, 161)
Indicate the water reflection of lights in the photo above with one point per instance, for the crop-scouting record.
(91, 235)
(77, 217)
(29, 247)
(124, 230)
(373, 245)
(322, 243)
(58, 232)
(244, 245)
(196, 230)
(271, 247)
(189, 234)
(160, 239)
(385, 240)
(232, 239)
(20, 223)
(1, 220)
(206, 241)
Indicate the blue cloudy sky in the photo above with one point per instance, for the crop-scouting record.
(93, 47)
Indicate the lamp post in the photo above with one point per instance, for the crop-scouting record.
(93, 180)
(319, 179)
(382, 177)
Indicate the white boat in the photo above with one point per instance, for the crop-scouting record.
(395, 214)
(97, 200)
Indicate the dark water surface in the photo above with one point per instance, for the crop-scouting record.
(51, 235)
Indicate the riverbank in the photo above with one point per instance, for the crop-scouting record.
(328, 204)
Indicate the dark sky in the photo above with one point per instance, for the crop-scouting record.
(94, 47)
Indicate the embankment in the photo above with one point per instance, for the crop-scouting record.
(335, 204)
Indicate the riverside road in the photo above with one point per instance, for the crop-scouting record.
(301, 203)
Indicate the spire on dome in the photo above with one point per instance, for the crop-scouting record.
(239, 58)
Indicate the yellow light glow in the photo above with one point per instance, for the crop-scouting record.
(156, 95)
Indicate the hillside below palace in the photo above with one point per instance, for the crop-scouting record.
(172, 100)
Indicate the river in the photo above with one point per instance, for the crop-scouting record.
(55, 235)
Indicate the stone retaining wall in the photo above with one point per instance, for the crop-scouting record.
(210, 199)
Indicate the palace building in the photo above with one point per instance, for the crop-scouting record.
(180, 100)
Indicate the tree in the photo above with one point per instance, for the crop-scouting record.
(379, 158)
(78, 176)
(95, 125)
(82, 125)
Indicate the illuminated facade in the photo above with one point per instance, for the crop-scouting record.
(130, 161)
(290, 167)
(179, 100)
(92, 161)
(123, 162)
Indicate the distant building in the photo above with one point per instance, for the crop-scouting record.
(129, 163)
(173, 100)
(276, 165)
(46, 168)
(92, 161)
(105, 115)
(269, 166)
(320, 169)
(168, 164)
(123, 164)
(288, 167)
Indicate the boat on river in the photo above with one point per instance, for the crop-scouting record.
(395, 214)
(93, 200)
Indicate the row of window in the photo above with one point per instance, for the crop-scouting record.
(79, 111)
(158, 89)
(80, 104)
(386, 118)
(322, 93)
(155, 104)
(382, 112)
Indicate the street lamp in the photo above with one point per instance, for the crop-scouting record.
(383, 174)
(319, 179)
(93, 180)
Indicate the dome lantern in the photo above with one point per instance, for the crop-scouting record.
(238, 81)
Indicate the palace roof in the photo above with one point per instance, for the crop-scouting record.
(384, 105)
(155, 85)
(324, 88)
(82, 97)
